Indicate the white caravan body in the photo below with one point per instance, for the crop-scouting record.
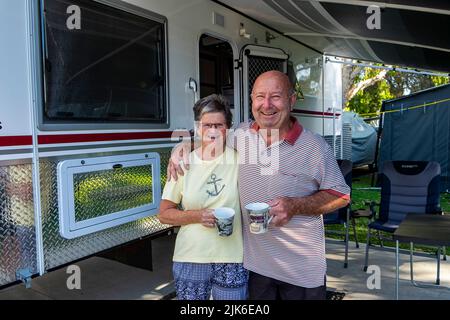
(82, 160)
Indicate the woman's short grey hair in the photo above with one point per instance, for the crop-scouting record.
(213, 103)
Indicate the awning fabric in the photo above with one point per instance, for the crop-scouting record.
(412, 33)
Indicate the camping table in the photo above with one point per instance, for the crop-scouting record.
(427, 229)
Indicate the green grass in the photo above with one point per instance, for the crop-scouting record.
(359, 197)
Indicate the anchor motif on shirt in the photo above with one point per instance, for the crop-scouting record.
(214, 181)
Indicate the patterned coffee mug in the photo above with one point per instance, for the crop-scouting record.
(224, 221)
(259, 219)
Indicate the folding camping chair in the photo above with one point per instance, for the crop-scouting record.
(406, 187)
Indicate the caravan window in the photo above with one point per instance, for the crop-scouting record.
(216, 68)
(103, 63)
(309, 75)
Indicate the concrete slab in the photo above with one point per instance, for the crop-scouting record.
(19, 292)
(353, 280)
(105, 279)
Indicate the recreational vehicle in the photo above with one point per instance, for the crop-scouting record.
(95, 93)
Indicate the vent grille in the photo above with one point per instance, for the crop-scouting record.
(218, 19)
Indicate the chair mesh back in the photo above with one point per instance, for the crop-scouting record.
(409, 187)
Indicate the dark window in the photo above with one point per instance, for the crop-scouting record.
(112, 69)
(216, 68)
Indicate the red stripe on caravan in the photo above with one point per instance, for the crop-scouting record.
(316, 113)
(10, 141)
(72, 138)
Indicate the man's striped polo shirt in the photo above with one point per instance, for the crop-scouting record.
(303, 163)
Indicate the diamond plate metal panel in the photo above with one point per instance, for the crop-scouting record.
(58, 251)
(103, 192)
(17, 235)
(256, 66)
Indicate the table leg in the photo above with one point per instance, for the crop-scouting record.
(438, 280)
(411, 261)
(397, 275)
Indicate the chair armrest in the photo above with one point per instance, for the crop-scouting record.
(372, 206)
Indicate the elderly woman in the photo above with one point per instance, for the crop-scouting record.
(205, 263)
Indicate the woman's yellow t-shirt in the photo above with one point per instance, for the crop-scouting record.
(208, 185)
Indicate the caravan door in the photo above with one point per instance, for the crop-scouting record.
(256, 60)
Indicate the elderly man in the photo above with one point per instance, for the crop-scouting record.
(300, 182)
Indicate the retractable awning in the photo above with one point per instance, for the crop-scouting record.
(412, 33)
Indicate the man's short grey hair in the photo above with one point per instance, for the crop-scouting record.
(213, 103)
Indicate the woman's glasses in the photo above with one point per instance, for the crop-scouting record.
(213, 125)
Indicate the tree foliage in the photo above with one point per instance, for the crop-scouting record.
(366, 88)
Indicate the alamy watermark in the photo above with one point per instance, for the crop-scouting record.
(374, 20)
(74, 280)
(374, 280)
(74, 20)
(266, 158)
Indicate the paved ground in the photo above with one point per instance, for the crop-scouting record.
(106, 279)
(353, 280)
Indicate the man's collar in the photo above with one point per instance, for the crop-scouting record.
(292, 135)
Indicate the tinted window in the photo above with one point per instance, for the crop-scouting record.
(216, 68)
(112, 69)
